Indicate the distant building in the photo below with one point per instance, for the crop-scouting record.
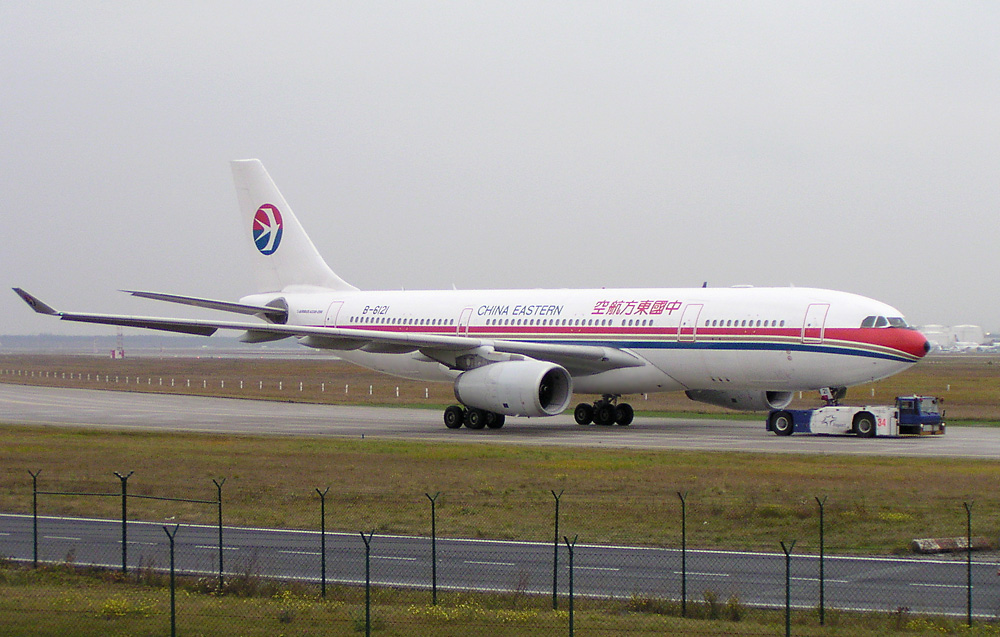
(958, 338)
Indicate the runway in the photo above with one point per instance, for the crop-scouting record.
(27, 405)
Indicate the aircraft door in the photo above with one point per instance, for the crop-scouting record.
(463, 322)
(688, 328)
(332, 313)
(814, 324)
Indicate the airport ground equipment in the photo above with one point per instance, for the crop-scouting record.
(911, 415)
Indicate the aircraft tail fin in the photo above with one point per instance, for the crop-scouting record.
(282, 254)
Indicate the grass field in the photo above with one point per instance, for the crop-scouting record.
(970, 385)
(62, 600)
(735, 500)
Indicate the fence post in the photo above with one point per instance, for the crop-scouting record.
(684, 583)
(555, 555)
(218, 488)
(434, 566)
(124, 479)
(173, 588)
(34, 516)
(368, 582)
(322, 538)
(822, 579)
(968, 560)
(570, 546)
(788, 586)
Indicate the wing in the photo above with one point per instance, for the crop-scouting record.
(447, 349)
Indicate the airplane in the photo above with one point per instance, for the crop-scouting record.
(525, 352)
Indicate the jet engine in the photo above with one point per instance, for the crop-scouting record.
(742, 400)
(516, 388)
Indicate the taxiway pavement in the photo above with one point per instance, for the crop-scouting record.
(27, 405)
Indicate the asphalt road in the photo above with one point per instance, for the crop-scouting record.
(21, 404)
(881, 584)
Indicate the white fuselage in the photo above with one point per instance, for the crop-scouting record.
(701, 338)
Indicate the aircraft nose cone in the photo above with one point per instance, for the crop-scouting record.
(922, 345)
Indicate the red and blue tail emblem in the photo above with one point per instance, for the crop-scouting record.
(267, 229)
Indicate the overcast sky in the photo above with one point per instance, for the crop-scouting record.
(853, 146)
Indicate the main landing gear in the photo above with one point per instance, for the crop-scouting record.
(606, 411)
(456, 416)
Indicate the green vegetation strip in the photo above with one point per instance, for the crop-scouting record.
(738, 501)
(63, 600)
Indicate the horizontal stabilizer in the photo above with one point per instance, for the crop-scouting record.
(276, 314)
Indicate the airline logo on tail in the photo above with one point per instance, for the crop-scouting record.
(267, 229)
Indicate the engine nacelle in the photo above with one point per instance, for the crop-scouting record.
(742, 400)
(516, 388)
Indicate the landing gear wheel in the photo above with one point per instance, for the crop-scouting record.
(864, 426)
(583, 414)
(494, 420)
(604, 413)
(454, 416)
(475, 418)
(624, 414)
(782, 423)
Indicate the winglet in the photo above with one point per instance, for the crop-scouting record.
(35, 304)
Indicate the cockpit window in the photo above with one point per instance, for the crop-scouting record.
(881, 321)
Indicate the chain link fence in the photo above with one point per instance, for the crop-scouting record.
(134, 575)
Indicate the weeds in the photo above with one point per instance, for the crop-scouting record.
(712, 606)
(734, 610)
